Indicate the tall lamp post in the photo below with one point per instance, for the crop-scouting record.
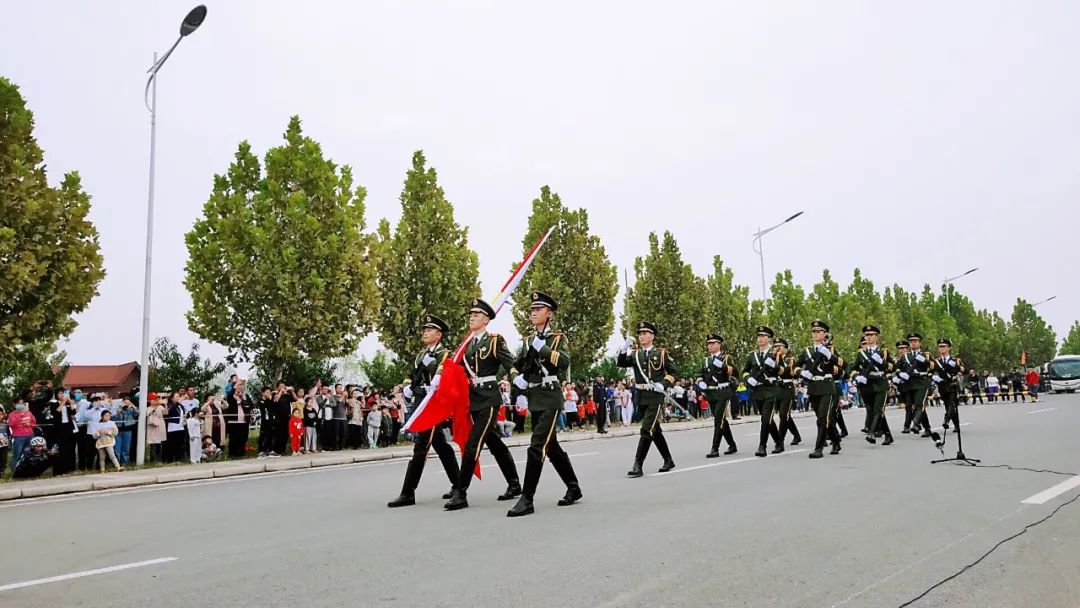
(191, 22)
(758, 249)
(1043, 301)
(945, 287)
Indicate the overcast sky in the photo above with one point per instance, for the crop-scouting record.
(921, 138)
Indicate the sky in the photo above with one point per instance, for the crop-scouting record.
(920, 138)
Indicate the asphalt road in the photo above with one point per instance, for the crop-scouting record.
(873, 526)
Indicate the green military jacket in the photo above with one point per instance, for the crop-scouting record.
(824, 370)
(787, 375)
(919, 371)
(767, 376)
(876, 372)
(718, 370)
(422, 372)
(650, 367)
(544, 369)
(483, 360)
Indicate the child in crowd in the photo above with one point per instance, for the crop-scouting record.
(105, 433)
(194, 429)
(210, 452)
(5, 441)
(374, 423)
(311, 426)
(296, 431)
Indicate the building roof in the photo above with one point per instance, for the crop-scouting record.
(98, 375)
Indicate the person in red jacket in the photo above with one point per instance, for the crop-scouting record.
(296, 431)
(1032, 379)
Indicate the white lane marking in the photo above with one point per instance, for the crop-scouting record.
(1048, 409)
(67, 577)
(484, 466)
(1053, 492)
(720, 464)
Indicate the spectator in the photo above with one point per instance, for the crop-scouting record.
(284, 398)
(626, 403)
(976, 386)
(374, 423)
(384, 427)
(1017, 379)
(21, 425)
(505, 427)
(65, 432)
(237, 419)
(599, 398)
(521, 412)
(992, 386)
(5, 441)
(193, 431)
(570, 406)
(266, 422)
(175, 435)
(296, 431)
(126, 418)
(230, 386)
(34, 461)
(155, 427)
(1033, 384)
(210, 452)
(311, 428)
(105, 432)
(87, 418)
(589, 410)
(213, 421)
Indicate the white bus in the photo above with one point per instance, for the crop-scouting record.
(1064, 373)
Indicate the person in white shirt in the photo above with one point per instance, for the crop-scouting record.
(626, 403)
(570, 406)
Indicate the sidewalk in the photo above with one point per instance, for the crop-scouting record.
(142, 477)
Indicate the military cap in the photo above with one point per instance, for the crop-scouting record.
(649, 327)
(782, 342)
(870, 329)
(435, 323)
(541, 299)
(944, 342)
(902, 344)
(482, 307)
(714, 337)
(915, 336)
(819, 324)
(765, 330)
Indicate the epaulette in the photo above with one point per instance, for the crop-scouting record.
(493, 334)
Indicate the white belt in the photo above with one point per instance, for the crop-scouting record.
(820, 378)
(717, 387)
(787, 381)
(546, 380)
(478, 380)
(646, 387)
(876, 374)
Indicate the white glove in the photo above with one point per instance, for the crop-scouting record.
(904, 376)
(896, 380)
(627, 345)
(659, 387)
(860, 379)
(521, 382)
(920, 358)
(769, 361)
(937, 378)
(701, 385)
(435, 381)
(718, 362)
(806, 374)
(407, 391)
(751, 381)
(427, 360)
(538, 343)
(821, 348)
(876, 357)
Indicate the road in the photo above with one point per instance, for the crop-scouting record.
(873, 526)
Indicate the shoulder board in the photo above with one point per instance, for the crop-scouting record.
(493, 334)
(558, 333)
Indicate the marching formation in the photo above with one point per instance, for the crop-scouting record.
(771, 373)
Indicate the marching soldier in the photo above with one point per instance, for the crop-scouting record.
(868, 371)
(425, 367)
(543, 360)
(865, 402)
(818, 365)
(654, 373)
(717, 373)
(762, 374)
(917, 374)
(485, 354)
(786, 398)
(948, 371)
(903, 387)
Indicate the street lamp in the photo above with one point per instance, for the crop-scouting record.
(945, 287)
(758, 249)
(1043, 301)
(191, 22)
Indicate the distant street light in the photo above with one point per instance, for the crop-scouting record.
(758, 249)
(190, 23)
(945, 287)
(1043, 301)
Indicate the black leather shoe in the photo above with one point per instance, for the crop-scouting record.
(816, 454)
(524, 506)
(512, 491)
(760, 453)
(844, 434)
(458, 501)
(796, 441)
(449, 494)
(864, 430)
(888, 440)
(835, 449)
(926, 433)
(573, 494)
(778, 449)
(906, 431)
(405, 500)
(636, 471)
(731, 450)
(713, 454)
(667, 466)
(870, 439)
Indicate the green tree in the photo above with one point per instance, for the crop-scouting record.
(667, 292)
(384, 371)
(50, 261)
(605, 368)
(1029, 332)
(299, 373)
(426, 265)
(171, 370)
(279, 267)
(573, 267)
(729, 309)
(785, 311)
(1071, 345)
(38, 363)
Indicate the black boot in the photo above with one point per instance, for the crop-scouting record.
(636, 471)
(404, 500)
(668, 465)
(524, 506)
(407, 497)
(835, 448)
(716, 434)
(713, 454)
(644, 443)
(888, 440)
(731, 450)
(760, 453)
(449, 494)
(816, 454)
(870, 439)
(512, 491)
(458, 501)
(573, 494)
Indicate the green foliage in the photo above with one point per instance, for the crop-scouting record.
(172, 370)
(279, 267)
(38, 363)
(384, 371)
(605, 368)
(50, 261)
(298, 373)
(667, 292)
(573, 267)
(1071, 345)
(786, 311)
(426, 265)
(729, 309)
(1029, 332)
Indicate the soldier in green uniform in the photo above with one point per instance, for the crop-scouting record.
(786, 398)
(917, 369)
(865, 403)
(654, 374)
(948, 372)
(868, 371)
(425, 367)
(717, 375)
(762, 375)
(485, 355)
(903, 387)
(543, 361)
(818, 364)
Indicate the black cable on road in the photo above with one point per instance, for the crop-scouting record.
(1012, 468)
